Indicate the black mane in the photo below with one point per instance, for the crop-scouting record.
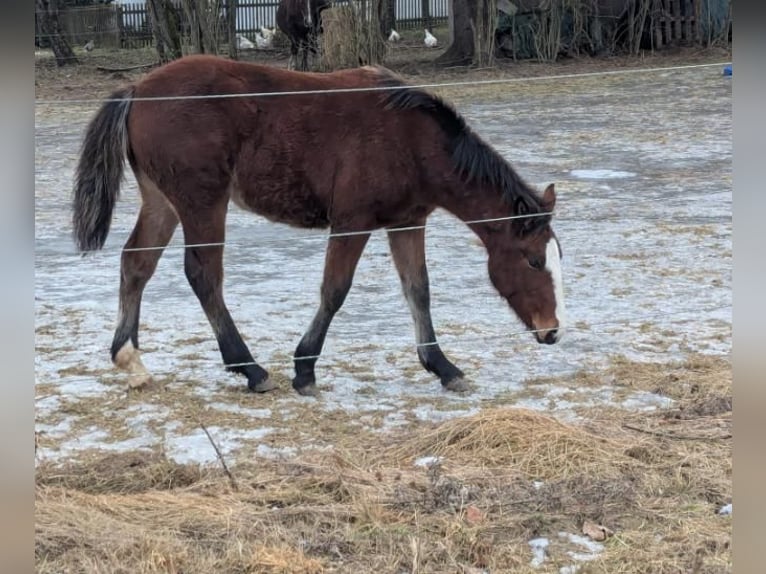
(474, 159)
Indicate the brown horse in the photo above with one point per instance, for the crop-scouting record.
(384, 157)
(301, 22)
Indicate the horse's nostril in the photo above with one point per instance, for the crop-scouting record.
(550, 336)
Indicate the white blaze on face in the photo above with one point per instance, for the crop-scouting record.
(553, 266)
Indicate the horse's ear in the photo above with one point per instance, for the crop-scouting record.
(549, 198)
(521, 208)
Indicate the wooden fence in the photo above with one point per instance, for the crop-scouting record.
(676, 22)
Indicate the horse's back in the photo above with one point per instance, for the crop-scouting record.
(284, 156)
(196, 94)
(204, 75)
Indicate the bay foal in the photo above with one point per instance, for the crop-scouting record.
(351, 161)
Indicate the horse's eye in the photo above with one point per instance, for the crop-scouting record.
(536, 262)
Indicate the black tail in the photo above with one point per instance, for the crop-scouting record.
(99, 171)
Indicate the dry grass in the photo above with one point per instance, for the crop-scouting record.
(656, 480)
(538, 446)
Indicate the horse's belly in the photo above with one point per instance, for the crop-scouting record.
(292, 203)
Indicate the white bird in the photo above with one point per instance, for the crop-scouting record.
(268, 33)
(89, 46)
(430, 40)
(262, 42)
(243, 43)
(394, 36)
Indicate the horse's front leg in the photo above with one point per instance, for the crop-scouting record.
(409, 254)
(293, 55)
(203, 265)
(340, 263)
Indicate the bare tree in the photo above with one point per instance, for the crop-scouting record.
(231, 26)
(472, 32)
(386, 16)
(48, 13)
(164, 20)
(204, 18)
(425, 13)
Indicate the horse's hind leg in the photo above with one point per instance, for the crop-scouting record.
(340, 263)
(204, 234)
(155, 226)
(408, 251)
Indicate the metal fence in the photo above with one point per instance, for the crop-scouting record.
(127, 24)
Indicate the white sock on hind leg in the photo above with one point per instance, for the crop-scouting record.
(129, 359)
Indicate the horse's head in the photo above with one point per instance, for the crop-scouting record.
(525, 267)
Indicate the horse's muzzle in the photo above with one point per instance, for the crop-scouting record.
(548, 336)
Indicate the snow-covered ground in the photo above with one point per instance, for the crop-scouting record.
(643, 170)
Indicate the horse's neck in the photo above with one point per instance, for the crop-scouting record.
(476, 202)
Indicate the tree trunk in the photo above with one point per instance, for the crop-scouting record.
(204, 25)
(472, 33)
(386, 16)
(231, 26)
(164, 21)
(209, 13)
(195, 29)
(483, 27)
(49, 25)
(460, 51)
(425, 13)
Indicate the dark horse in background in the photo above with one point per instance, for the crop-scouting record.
(388, 159)
(301, 22)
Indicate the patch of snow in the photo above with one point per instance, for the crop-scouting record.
(592, 548)
(96, 439)
(195, 448)
(428, 461)
(539, 550)
(47, 404)
(57, 430)
(83, 387)
(267, 451)
(726, 510)
(428, 413)
(238, 409)
(643, 401)
(600, 174)
(396, 419)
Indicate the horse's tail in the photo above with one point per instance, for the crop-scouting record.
(99, 171)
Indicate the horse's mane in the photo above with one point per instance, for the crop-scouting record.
(474, 159)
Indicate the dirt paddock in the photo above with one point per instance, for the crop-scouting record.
(610, 452)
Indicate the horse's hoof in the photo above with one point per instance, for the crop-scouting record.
(310, 390)
(262, 387)
(140, 380)
(457, 385)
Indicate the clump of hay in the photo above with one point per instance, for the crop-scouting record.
(351, 38)
(532, 443)
(120, 473)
